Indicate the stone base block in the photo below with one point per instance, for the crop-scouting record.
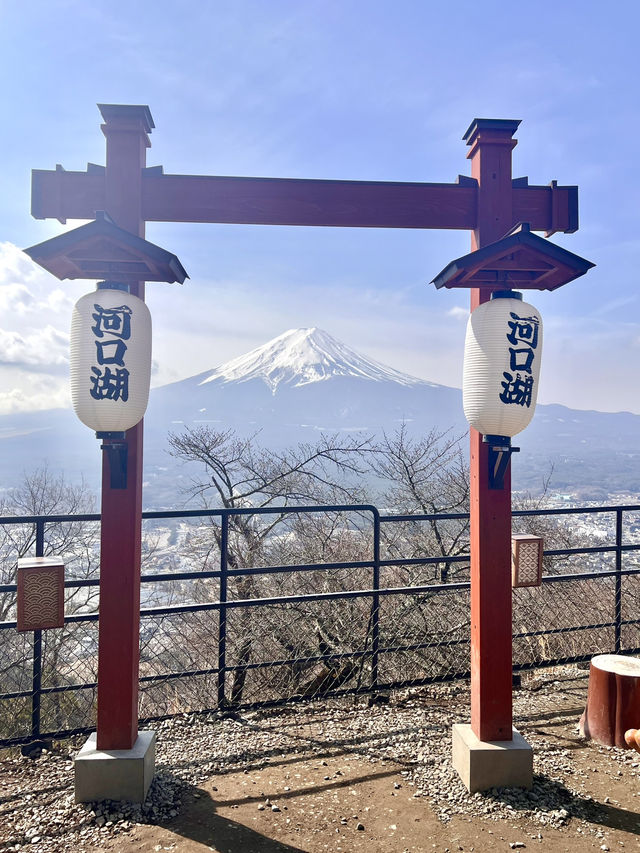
(118, 774)
(491, 764)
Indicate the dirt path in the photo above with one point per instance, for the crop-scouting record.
(346, 777)
(346, 805)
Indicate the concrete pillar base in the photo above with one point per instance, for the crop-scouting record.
(117, 774)
(491, 764)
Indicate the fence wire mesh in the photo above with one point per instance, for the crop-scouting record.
(302, 604)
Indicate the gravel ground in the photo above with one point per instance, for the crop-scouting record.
(580, 789)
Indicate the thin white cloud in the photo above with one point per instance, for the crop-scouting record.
(616, 304)
(458, 313)
(15, 266)
(57, 301)
(15, 299)
(45, 349)
(39, 393)
(35, 315)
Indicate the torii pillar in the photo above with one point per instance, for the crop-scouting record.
(489, 204)
(126, 132)
(118, 762)
(490, 509)
(490, 752)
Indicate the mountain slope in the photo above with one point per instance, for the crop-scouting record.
(304, 382)
(302, 356)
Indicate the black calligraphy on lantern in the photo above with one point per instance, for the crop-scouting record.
(112, 327)
(111, 352)
(110, 385)
(517, 385)
(521, 359)
(523, 330)
(112, 321)
(516, 389)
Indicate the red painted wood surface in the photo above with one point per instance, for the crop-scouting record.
(118, 642)
(613, 700)
(490, 509)
(288, 201)
(66, 195)
(121, 522)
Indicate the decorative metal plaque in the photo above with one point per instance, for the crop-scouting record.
(526, 560)
(40, 593)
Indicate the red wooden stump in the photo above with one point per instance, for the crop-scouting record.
(613, 700)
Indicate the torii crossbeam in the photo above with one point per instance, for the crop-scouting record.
(66, 195)
(489, 204)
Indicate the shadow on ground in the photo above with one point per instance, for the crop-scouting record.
(550, 793)
(202, 824)
(200, 819)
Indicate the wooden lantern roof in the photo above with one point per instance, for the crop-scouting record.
(520, 261)
(101, 250)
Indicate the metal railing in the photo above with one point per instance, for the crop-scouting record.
(386, 623)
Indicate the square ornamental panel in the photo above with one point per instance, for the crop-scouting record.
(40, 593)
(526, 563)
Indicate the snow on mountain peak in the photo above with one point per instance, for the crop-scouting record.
(302, 356)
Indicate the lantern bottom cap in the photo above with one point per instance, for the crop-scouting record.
(496, 439)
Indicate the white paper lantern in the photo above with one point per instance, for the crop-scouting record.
(502, 365)
(110, 359)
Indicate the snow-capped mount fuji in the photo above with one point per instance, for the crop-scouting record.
(302, 356)
(288, 390)
(298, 384)
(305, 382)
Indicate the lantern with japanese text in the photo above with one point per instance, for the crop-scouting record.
(110, 358)
(502, 365)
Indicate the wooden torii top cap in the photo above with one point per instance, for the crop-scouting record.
(127, 114)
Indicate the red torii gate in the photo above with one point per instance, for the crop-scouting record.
(489, 204)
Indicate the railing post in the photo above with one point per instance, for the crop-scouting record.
(375, 603)
(618, 588)
(36, 676)
(222, 618)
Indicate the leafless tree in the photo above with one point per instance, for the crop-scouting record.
(405, 474)
(44, 494)
(240, 474)
(425, 475)
(68, 653)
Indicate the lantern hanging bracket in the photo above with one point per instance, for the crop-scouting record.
(117, 453)
(500, 450)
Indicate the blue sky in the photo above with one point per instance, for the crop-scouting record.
(353, 90)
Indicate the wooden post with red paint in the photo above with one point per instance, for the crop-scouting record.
(126, 129)
(490, 509)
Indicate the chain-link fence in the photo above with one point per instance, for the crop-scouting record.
(257, 607)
